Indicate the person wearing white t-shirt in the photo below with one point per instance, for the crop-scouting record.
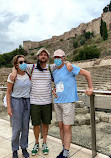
(18, 106)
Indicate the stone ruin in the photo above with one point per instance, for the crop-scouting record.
(93, 26)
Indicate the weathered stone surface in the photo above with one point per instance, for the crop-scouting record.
(79, 104)
(110, 118)
(80, 120)
(88, 117)
(104, 117)
(84, 110)
(93, 26)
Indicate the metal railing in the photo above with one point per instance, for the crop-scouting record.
(3, 88)
(92, 114)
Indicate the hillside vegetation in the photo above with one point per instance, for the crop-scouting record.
(103, 46)
(89, 47)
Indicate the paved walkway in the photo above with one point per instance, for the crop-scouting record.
(53, 143)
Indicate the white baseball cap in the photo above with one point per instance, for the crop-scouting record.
(59, 53)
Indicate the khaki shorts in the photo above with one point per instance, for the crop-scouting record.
(65, 112)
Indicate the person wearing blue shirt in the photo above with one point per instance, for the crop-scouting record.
(65, 97)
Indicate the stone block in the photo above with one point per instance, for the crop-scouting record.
(103, 116)
(110, 119)
(88, 117)
(79, 104)
(84, 110)
(80, 120)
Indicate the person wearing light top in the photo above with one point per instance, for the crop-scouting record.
(41, 97)
(65, 97)
(18, 106)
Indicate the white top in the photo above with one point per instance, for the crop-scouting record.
(21, 87)
(41, 92)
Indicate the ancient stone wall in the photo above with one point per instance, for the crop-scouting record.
(93, 26)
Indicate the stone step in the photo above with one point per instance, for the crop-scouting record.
(84, 119)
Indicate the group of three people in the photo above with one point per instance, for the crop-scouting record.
(29, 93)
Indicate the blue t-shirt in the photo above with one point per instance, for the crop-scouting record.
(66, 87)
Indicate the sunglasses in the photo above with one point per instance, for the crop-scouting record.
(21, 62)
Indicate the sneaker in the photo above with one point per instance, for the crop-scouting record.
(35, 149)
(68, 154)
(45, 149)
(15, 154)
(25, 153)
(60, 155)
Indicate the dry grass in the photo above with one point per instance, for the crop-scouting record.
(104, 46)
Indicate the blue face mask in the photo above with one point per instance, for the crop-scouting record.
(58, 62)
(23, 66)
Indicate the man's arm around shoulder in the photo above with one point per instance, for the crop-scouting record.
(13, 75)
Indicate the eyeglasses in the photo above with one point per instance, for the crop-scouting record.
(21, 62)
(57, 57)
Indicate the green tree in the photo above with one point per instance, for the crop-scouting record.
(105, 32)
(105, 9)
(2, 61)
(101, 28)
(110, 6)
(21, 50)
(6, 58)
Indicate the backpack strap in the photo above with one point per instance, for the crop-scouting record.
(51, 74)
(44, 69)
(28, 75)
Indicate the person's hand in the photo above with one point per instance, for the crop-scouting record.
(13, 76)
(69, 66)
(89, 91)
(9, 110)
(54, 92)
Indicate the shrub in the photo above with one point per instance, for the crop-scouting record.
(2, 61)
(6, 58)
(87, 35)
(88, 52)
(61, 40)
(82, 41)
(75, 44)
(105, 9)
(32, 54)
(92, 34)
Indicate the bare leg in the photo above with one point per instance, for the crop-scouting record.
(36, 133)
(61, 132)
(45, 132)
(67, 136)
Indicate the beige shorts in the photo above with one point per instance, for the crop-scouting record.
(65, 112)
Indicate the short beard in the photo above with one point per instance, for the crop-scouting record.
(43, 61)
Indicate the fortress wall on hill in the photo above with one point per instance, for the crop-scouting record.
(93, 26)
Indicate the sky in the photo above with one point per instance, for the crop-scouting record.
(37, 20)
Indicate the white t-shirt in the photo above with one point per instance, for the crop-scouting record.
(21, 87)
